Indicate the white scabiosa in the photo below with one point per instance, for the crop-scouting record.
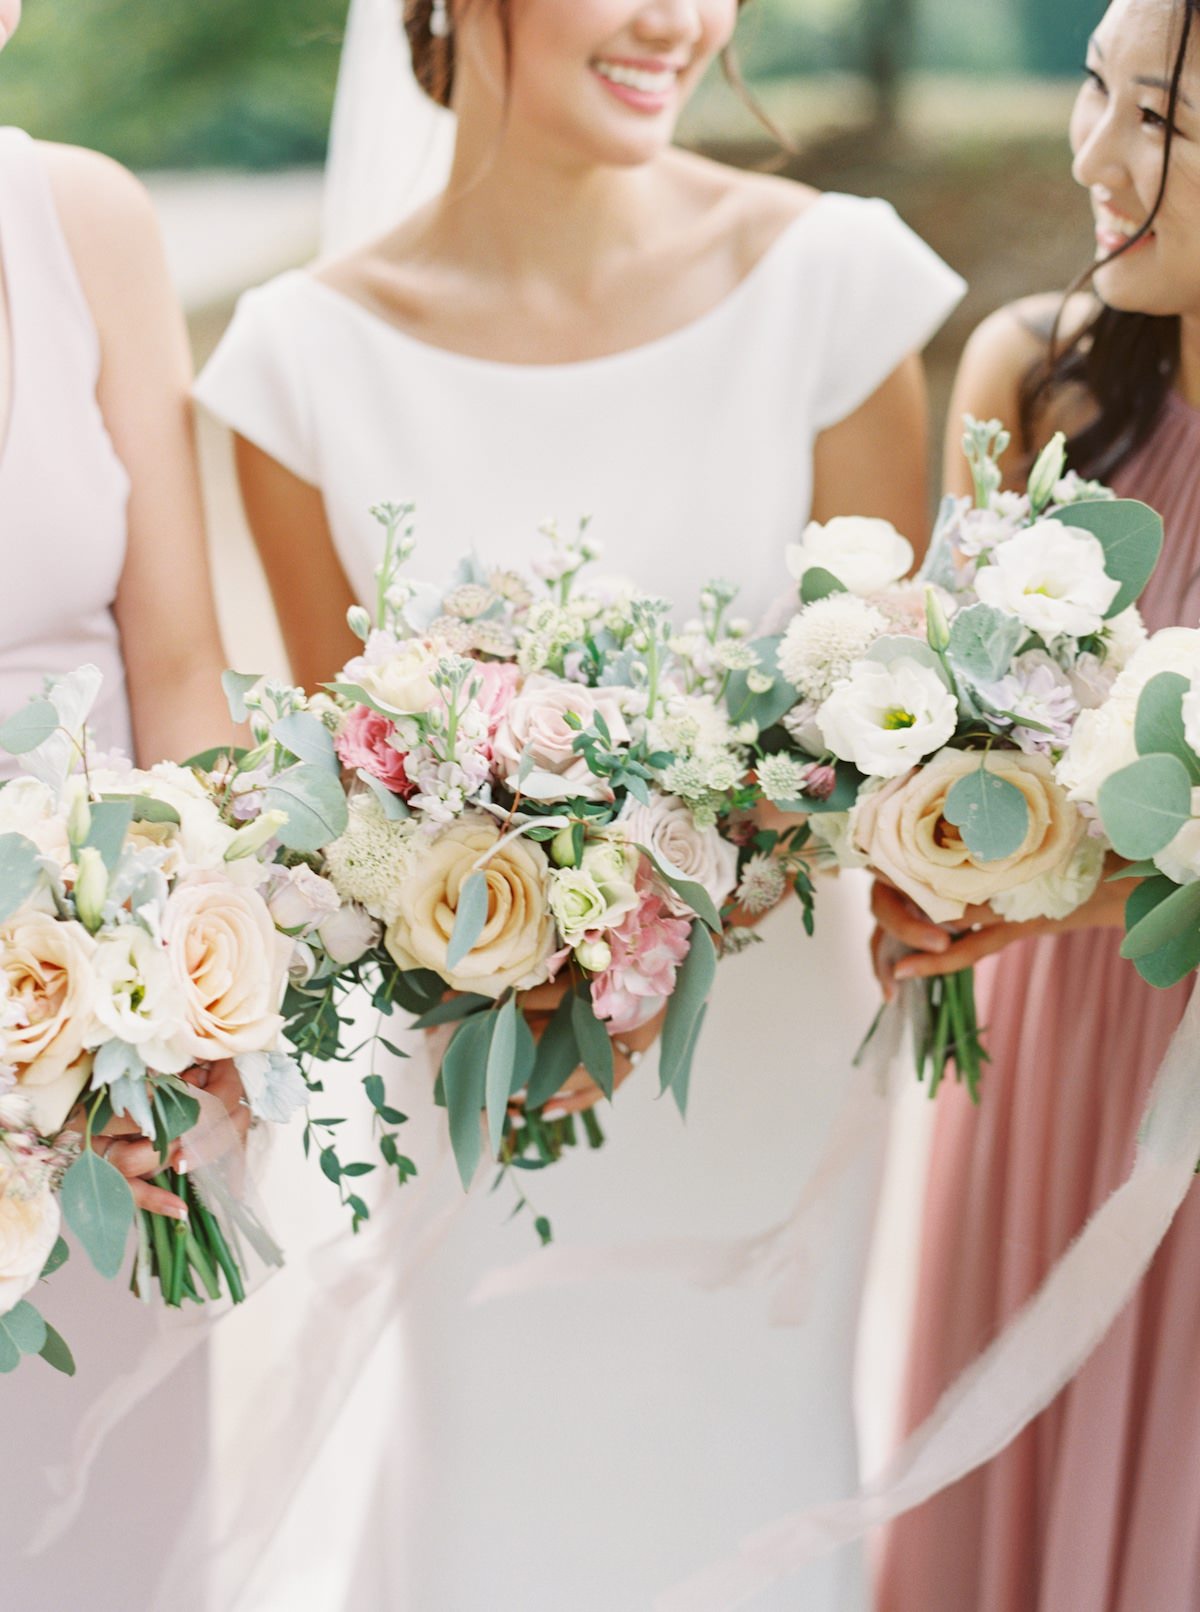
(887, 718)
(370, 861)
(824, 641)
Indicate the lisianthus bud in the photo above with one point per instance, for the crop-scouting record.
(91, 888)
(937, 628)
(562, 848)
(79, 821)
(359, 622)
(251, 838)
(594, 955)
(1047, 472)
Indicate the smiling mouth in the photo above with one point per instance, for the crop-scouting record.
(649, 84)
(1115, 230)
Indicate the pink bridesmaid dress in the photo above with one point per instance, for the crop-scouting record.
(63, 498)
(1096, 1507)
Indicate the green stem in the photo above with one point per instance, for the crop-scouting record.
(220, 1249)
(161, 1240)
(203, 1266)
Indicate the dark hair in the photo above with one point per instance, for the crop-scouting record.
(1126, 362)
(433, 58)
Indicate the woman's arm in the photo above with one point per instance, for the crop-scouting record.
(287, 517)
(164, 608)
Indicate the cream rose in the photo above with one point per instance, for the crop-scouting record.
(536, 720)
(903, 830)
(399, 676)
(230, 964)
(518, 935)
(29, 1229)
(669, 832)
(47, 977)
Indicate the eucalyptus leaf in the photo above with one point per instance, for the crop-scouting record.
(464, 1081)
(178, 1112)
(236, 686)
(315, 806)
(681, 1085)
(28, 728)
(109, 826)
(20, 872)
(395, 808)
(595, 1045)
(1144, 805)
(764, 710)
(308, 739)
(1174, 917)
(470, 919)
(453, 1008)
(991, 814)
(355, 694)
(56, 1353)
(501, 1071)
(1131, 535)
(696, 896)
(22, 1332)
(59, 1255)
(220, 755)
(983, 641)
(692, 985)
(892, 647)
(818, 583)
(1159, 725)
(98, 1207)
(145, 809)
(558, 1056)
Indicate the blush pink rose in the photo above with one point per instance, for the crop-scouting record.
(647, 950)
(498, 684)
(363, 741)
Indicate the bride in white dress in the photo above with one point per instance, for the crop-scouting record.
(589, 321)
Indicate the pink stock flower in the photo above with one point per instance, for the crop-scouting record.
(363, 741)
(647, 950)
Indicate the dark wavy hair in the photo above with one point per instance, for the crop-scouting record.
(1126, 362)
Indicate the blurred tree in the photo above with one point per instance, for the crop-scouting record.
(1056, 35)
(887, 37)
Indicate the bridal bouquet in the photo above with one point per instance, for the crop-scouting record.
(145, 929)
(1136, 761)
(543, 783)
(931, 715)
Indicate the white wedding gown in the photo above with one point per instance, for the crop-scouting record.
(580, 1449)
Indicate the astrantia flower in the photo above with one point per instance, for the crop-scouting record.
(371, 859)
(782, 777)
(824, 641)
(466, 602)
(762, 884)
(885, 719)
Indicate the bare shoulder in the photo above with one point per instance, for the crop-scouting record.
(750, 210)
(1002, 350)
(98, 201)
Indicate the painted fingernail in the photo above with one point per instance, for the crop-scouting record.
(181, 1165)
(180, 1212)
(553, 1111)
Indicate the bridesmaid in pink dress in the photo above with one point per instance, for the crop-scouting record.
(1096, 1507)
(103, 561)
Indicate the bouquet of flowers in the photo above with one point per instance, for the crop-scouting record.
(144, 930)
(931, 715)
(544, 782)
(1135, 761)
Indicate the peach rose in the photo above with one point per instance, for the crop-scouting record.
(29, 1229)
(518, 935)
(903, 831)
(230, 962)
(47, 989)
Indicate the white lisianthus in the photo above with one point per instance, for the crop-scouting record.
(1123, 636)
(825, 639)
(887, 718)
(613, 863)
(865, 555)
(1180, 860)
(1101, 744)
(28, 807)
(29, 1228)
(578, 904)
(203, 838)
(1058, 893)
(669, 831)
(1052, 578)
(595, 955)
(347, 934)
(137, 999)
(300, 899)
(1191, 716)
(1172, 649)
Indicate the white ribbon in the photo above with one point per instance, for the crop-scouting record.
(1022, 1371)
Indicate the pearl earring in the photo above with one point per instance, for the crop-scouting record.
(439, 20)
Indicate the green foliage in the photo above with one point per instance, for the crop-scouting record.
(992, 814)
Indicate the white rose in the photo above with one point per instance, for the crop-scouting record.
(1172, 649)
(28, 1232)
(886, 718)
(1052, 578)
(137, 999)
(1102, 742)
(230, 963)
(865, 555)
(398, 676)
(1180, 860)
(300, 899)
(518, 934)
(670, 833)
(347, 934)
(203, 837)
(47, 969)
(28, 807)
(536, 720)
(1058, 893)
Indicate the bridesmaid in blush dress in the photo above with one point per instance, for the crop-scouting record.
(103, 562)
(1096, 1506)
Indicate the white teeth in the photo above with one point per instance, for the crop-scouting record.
(1113, 224)
(637, 78)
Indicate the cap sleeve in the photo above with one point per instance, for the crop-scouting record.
(253, 382)
(885, 297)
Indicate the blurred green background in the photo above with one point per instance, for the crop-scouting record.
(249, 83)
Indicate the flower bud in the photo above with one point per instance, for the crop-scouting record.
(91, 888)
(594, 955)
(937, 628)
(359, 622)
(251, 839)
(562, 848)
(79, 821)
(1047, 472)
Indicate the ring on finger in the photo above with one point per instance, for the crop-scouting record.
(631, 1055)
